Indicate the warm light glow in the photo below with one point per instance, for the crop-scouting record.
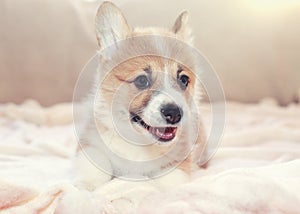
(271, 7)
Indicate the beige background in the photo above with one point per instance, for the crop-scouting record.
(254, 45)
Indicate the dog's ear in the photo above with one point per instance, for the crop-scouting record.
(181, 28)
(111, 25)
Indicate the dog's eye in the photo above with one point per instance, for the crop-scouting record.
(142, 82)
(183, 81)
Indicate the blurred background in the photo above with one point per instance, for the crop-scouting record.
(254, 45)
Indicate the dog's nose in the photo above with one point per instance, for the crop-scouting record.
(171, 113)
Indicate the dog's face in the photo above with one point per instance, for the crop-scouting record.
(154, 93)
(150, 95)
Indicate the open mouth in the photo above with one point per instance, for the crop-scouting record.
(163, 134)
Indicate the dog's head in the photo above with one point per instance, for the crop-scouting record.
(153, 95)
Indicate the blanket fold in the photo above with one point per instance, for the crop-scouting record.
(256, 168)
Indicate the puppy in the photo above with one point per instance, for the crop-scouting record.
(143, 116)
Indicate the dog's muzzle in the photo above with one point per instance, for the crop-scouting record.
(162, 134)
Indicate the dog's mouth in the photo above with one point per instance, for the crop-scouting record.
(163, 134)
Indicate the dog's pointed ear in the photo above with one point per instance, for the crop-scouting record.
(111, 25)
(181, 28)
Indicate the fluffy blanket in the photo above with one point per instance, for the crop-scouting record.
(255, 170)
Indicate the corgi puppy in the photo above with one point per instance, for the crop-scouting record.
(143, 118)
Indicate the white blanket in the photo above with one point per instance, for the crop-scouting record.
(255, 170)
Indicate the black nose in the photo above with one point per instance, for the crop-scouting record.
(171, 113)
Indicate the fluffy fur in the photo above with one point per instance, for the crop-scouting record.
(119, 103)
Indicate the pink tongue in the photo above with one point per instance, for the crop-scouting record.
(166, 133)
